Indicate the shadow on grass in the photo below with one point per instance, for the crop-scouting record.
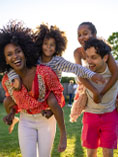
(74, 148)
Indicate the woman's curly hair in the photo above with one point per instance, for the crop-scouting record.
(21, 36)
(46, 32)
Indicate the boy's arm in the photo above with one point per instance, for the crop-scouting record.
(114, 70)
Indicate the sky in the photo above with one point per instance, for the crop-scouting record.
(66, 14)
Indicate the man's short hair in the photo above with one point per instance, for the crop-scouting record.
(101, 47)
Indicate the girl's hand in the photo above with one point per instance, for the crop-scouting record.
(97, 97)
(16, 83)
(9, 118)
(47, 113)
(63, 143)
(97, 78)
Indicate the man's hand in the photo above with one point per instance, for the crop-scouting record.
(97, 78)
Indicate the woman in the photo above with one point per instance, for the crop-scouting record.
(17, 51)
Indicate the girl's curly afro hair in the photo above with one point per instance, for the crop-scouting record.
(15, 33)
(46, 32)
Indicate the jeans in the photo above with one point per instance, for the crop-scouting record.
(36, 135)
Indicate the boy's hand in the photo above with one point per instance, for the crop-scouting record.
(97, 78)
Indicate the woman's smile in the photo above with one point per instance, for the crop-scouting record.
(14, 56)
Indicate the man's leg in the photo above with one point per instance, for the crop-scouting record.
(70, 99)
(90, 131)
(109, 133)
(91, 152)
(107, 152)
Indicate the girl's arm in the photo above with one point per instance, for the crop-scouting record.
(8, 103)
(14, 79)
(96, 94)
(63, 65)
(77, 56)
(114, 70)
(9, 107)
(59, 116)
(66, 66)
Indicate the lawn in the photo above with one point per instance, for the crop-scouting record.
(9, 143)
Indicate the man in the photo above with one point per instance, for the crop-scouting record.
(100, 120)
(70, 92)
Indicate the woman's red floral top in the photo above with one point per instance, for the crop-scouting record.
(35, 101)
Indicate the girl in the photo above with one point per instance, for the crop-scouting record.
(85, 31)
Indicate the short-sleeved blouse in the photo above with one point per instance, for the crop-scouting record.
(45, 81)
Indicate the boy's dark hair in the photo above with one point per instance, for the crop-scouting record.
(101, 47)
(15, 33)
(46, 32)
(91, 27)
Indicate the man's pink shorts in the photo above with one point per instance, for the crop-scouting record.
(100, 130)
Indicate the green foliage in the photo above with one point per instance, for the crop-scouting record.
(113, 40)
(1, 77)
(67, 79)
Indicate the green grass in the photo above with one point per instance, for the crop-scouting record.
(9, 143)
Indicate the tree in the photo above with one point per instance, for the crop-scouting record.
(67, 79)
(1, 76)
(113, 40)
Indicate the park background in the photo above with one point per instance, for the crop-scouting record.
(67, 15)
